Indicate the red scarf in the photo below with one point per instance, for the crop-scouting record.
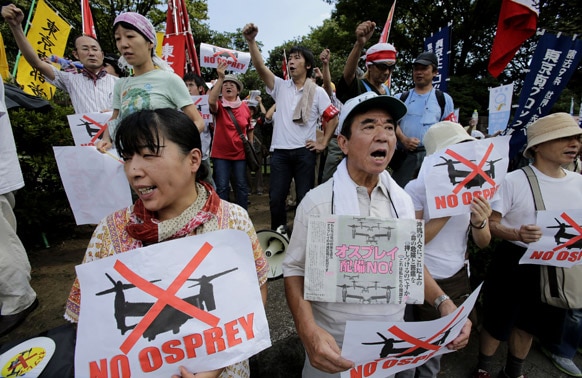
(143, 225)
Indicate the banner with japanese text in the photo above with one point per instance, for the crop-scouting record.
(144, 314)
(555, 60)
(499, 107)
(237, 61)
(364, 260)
(440, 44)
(48, 34)
(174, 52)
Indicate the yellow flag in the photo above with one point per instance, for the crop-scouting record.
(160, 40)
(48, 35)
(4, 71)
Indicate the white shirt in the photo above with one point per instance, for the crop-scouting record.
(10, 173)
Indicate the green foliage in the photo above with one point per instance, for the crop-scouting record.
(42, 206)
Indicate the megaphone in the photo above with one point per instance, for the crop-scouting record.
(274, 243)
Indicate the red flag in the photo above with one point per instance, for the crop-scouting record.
(386, 30)
(175, 46)
(517, 22)
(178, 22)
(88, 26)
(284, 66)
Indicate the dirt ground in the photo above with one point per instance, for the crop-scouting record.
(53, 272)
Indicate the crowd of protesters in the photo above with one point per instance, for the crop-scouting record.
(360, 146)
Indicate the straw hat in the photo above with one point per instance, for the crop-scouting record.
(553, 126)
(444, 134)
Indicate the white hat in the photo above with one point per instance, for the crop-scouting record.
(371, 100)
(381, 53)
(553, 126)
(443, 134)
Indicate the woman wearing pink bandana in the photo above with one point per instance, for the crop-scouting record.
(162, 153)
(153, 84)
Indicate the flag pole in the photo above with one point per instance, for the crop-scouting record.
(26, 27)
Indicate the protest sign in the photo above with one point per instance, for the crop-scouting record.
(381, 349)
(193, 301)
(95, 183)
(561, 241)
(88, 128)
(237, 61)
(462, 171)
(364, 260)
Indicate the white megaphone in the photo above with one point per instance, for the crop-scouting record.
(274, 243)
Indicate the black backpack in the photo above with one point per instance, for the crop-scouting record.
(439, 95)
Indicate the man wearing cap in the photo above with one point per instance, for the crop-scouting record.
(426, 106)
(91, 90)
(360, 186)
(512, 307)
(300, 104)
(446, 238)
(380, 62)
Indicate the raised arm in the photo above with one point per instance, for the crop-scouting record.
(217, 87)
(13, 17)
(250, 32)
(363, 33)
(325, 57)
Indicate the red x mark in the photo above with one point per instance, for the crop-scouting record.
(477, 169)
(102, 128)
(575, 225)
(165, 297)
(229, 53)
(421, 343)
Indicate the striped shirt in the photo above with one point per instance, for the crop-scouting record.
(87, 96)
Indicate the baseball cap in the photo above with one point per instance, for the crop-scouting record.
(381, 53)
(427, 58)
(371, 100)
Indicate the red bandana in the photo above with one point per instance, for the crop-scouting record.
(143, 225)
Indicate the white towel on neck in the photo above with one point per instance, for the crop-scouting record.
(301, 113)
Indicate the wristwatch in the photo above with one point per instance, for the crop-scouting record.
(439, 300)
(481, 226)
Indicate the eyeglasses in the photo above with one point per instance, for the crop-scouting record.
(383, 66)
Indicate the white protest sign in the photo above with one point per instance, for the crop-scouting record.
(561, 241)
(88, 128)
(456, 174)
(201, 103)
(364, 260)
(237, 61)
(193, 301)
(95, 183)
(381, 349)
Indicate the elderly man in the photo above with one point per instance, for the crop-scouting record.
(91, 90)
(368, 139)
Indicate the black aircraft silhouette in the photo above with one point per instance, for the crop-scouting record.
(455, 173)
(562, 234)
(169, 319)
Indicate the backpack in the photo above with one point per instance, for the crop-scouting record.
(440, 96)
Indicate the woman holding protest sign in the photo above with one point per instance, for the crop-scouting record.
(153, 84)
(161, 149)
(232, 123)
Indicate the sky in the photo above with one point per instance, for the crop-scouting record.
(278, 20)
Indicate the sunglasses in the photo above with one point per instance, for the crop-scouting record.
(383, 66)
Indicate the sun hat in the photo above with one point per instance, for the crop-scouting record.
(444, 134)
(550, 127)
(381, 53)
(371, 100)
(427, 58)
(477, 134)
(235, 80)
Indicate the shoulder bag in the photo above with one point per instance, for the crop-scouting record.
(560, 287)
(250, 154)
